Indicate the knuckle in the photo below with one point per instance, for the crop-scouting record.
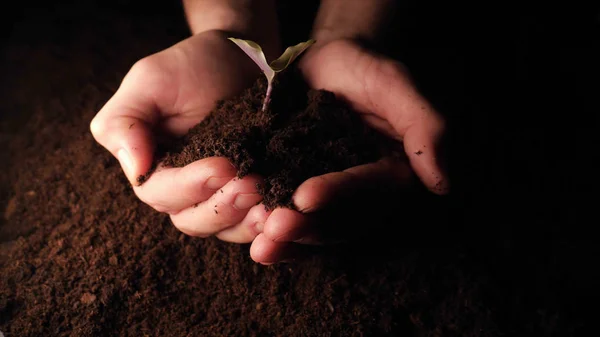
(396, 68)
(97, 127)
(152, 77)
(146, 71)
(143, 67)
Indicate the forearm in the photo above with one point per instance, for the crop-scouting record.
(352, 19)
(249, 19)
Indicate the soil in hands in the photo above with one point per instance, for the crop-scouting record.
(304, 133)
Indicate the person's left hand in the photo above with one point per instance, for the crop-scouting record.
(379, 89)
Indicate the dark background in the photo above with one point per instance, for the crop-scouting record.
(518, 83)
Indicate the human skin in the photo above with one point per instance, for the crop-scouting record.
(378, 88)
(173, 90)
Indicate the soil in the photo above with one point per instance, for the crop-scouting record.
(304, 133)
(507, 254)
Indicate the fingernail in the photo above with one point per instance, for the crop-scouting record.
(126, 162)
(215, 183)
(246, 200)
(259, 227)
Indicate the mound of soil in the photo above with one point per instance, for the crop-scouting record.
(81, 255)
(304, 133)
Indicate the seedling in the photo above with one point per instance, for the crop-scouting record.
(254, 51)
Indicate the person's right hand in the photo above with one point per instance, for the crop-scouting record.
(172, 91)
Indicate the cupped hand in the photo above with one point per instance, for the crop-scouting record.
(381, 90)
(170, 92)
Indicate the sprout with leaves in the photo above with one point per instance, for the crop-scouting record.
(254, 51)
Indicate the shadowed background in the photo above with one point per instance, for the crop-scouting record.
(510, 252)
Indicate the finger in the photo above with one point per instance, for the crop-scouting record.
(316, 193)
(173, 189)
(252, 225)
(265, 251)
(287, 225)
(381, 86)
(125, 123)
(128, 138)
(224, 209)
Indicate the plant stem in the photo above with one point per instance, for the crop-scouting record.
(267, 96)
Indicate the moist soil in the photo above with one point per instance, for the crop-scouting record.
(80, 255)
(302, 134)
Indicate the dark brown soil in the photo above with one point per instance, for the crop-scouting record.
(509, 253)
(304, 133)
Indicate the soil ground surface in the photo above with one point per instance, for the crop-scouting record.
(508, 253)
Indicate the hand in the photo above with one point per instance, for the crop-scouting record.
(381, 91)
(171, 92)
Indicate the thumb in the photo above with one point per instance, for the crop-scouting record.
(124, 127)
(421, 128)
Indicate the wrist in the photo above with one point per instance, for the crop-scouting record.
(254, 20)
(352, 19)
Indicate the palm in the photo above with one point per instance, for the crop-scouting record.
(380, 90)
(186, 80)
(353, 74)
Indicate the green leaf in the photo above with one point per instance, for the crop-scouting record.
(254, 51)
(289, 55)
